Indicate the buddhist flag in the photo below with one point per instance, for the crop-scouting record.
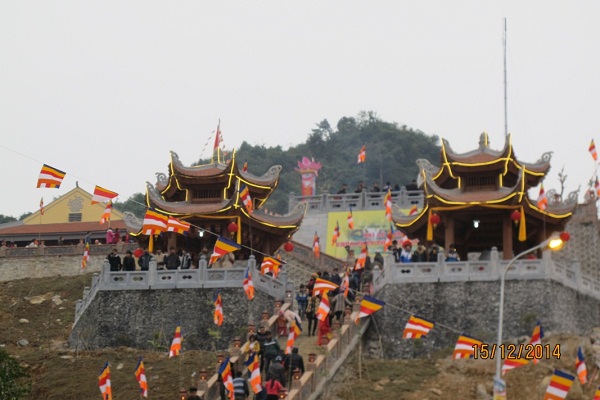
(50, 177)
(350, 219)
(388, 205)
(417, 327)
(104, 383)
(140, 375)
(559, 385)
(592, 150)
(597, 187)
(176, 344)
(42, 206)
(580, 367)
(248, 285)
(597, 394)
(324, 308)
(536, 338)
(227, 378)
(413, 210)
(336, 233)
(218, 314)
(464, 347)
(295, 331)
(323, 286)
(154, 222)
(270, 265)
(345, 286)
(222, 247)
(542, 201)
(218, 137)
(389, 238)
(175, 225)
(245, 167)
(102, 195)
(106, 214)
(254, 371)
(246, 199)
(316, 246)
(510, 363)
(362, 156)
(362, 258)
(368, 306)
(86, 256)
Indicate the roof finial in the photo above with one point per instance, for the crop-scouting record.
(484, 140)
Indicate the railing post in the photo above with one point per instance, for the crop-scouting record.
(252, 263)
(152, 272)
(495, 262)
(202, 266)
(325, 201)
(105, 273)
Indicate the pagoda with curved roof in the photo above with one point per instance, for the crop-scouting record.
(208, 197)
(479, 199)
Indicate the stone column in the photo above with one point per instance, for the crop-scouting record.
(449, 231)
(507, 239)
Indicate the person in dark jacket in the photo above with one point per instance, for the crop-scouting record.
(114, 260)
(271, 350)
(292, 362)
(277, 371)
(173, 261)
(128, 262)
(144, 261)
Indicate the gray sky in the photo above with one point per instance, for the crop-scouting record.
(104, 89)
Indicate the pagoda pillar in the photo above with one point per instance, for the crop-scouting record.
(449, 232)
(507, 239)
(171, 241)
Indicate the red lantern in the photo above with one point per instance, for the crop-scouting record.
(515, 216)
(435, 219)
(232, 227)
(565, 236)
(289, 246)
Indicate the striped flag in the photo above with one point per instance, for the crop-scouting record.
(218, 137)
(362, 155)
(104, 383)
(50, 177)
(597, 394)
(513, 363)
(413, 210)
(417, 327)
(106, 214)
(270, 265)
(597, 187)
(176, 225)
(542, 201)
(218, 314)
(176, 344)
(316, 246)
(324, 308)
(86, 256)
(248, 285)
(559, 385)
(245, 167)
(227, 378)
(42, 206)
(246, 199)
(368, 306)
(295, 331)
(254, 370)
(154, 222)
(592, 150)
(362, 258)
(388, 205)
(464, 347)
(345, 286)
(102, 195)
(580, 367)
(222, 247)
(536, 338)
(389, 238)
(336, 233)
(323, 285)
(350, 219)
(140, 375)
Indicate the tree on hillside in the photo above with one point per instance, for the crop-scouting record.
(6, 218)
(24, 215)
(13, 383)
(135, 204)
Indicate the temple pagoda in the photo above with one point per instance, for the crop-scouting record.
(208, 197)
(478, 200)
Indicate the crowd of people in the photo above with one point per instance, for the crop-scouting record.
(422, 253)
(361, 186)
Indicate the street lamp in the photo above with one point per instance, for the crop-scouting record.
(554, 242)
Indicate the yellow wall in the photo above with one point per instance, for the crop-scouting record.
(75, 201)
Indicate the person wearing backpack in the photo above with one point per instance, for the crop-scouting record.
(271, 350)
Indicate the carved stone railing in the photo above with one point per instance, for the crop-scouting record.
(324, 262)
(69, 250)
(325, 202)
(545, 268)
(201, 278)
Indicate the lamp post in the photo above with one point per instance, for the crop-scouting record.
(554, 242)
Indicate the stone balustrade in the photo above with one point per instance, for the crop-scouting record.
(70, 250)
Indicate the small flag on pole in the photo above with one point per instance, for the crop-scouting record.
(140, 375)
(362, 155)
(388, 205)
(86, 256)
(104, 383)
(248, 285)
(107, 212)
(536, 338)
(42, 206)
(316, 246)
(246, 199)
(218, 314)
(270, 265)
(580, 367)
(542, 201)
(336, 233)
(350, 219)
(176, 344)
(593, 151)
(559, 385)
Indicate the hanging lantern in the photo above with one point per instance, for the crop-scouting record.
(232, 227)
(289, 246)
(515, 216)
(565, 236)
(435, 220)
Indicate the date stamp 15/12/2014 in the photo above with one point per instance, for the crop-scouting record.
(516, 351)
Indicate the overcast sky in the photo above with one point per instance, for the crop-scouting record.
(104, 89)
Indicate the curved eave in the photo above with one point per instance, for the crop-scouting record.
(198, 171)
(482, 154)
(155, 200)
(269, 180)
(289, 221)
(556, 211)
(411, 221)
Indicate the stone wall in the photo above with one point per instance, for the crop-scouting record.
(147, 319)
(472, 308)
(46, 266)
